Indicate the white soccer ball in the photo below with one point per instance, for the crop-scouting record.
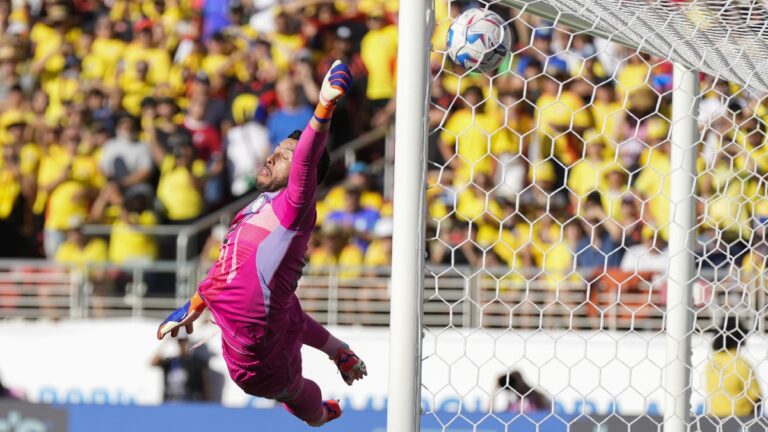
(478, 39)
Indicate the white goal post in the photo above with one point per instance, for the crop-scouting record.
(727, 40)
(407, 282)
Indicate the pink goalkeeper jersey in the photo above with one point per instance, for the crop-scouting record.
(250, 289)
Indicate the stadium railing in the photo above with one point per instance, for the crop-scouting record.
(615, 300)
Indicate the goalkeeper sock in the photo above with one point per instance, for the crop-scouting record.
(306, 403)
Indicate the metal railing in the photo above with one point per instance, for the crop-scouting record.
(185, 251)
(459, 297)
(348, 151)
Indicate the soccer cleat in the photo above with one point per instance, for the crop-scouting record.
(349, 364)
(183, 316)
(332, 411)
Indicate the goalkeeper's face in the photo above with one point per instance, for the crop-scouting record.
(273, 176)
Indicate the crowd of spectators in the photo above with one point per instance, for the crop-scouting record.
(138, 113)
(558, 166)
(135, 113)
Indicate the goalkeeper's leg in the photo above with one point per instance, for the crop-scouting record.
(349, 364)
(304, 401)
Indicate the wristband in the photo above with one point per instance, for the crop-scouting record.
(324, 113)
(196, 302)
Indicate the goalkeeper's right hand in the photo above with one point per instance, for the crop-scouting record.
(182, 317)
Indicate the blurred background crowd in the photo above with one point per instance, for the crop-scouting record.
(138, 113)
(558, 167)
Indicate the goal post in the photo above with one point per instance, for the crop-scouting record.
(406, 286)
(679, 326)
(594, 219)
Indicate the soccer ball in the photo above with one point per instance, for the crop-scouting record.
(479, 39)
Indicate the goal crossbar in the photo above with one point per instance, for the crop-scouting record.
(727, 40)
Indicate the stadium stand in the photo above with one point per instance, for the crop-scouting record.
(142, 114)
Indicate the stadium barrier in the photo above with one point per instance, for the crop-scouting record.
(611, 300)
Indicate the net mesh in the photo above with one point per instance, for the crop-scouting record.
(726, 39)
(548, 219)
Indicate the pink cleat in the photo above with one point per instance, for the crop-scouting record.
(349, 364)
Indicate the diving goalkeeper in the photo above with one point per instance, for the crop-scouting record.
(251, 289)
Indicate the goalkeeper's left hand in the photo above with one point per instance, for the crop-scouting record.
(336, 84)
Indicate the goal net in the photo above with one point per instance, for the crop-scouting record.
(561, 249)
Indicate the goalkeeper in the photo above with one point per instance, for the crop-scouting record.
(251, 289)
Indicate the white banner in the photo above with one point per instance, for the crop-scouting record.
(108, 362)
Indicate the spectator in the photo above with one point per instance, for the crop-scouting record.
(10, 202)
(755, 263)
(464, 140)
(355, 218)
(653, 187)
(562, 118)
(541, 192)
(247, 145)
(208, 147)
(732, 386)
(730, 186)
(9, 79)
(588, 174)
(125, 160)
(127, 245)
(292, 114)
(143, 50)
(631, 222)
(651, 255)
(182, 176)
(286, 41)
(512, 151)
(608, 113)
(555, 251)
(473, 205)
(99, 112)
(101, 63)
(379, 252)
(335, 249)
(205, 137)
(348, 111)
(615, 190)
(70, 193)
(378, 51)
(600, 248)
(522, 398)
(185, 374)
(358, 176)
(77, 250)
(166, 123)
(450, 247)
(81, 252)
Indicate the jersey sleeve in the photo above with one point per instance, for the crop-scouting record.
(299, 197)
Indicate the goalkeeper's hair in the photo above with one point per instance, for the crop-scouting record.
(325, 160)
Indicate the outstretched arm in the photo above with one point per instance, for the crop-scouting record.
(302, 180)
(186, 315)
